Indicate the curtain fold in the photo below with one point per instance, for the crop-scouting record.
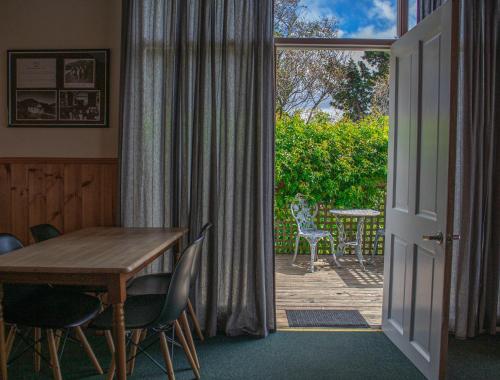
(198, 142)
(474, 301)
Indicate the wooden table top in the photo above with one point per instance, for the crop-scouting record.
(93, 250)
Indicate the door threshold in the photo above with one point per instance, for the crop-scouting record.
(330, 329)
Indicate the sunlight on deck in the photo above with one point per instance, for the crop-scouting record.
(329, 287)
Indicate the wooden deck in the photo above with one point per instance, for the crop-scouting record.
(329, 287)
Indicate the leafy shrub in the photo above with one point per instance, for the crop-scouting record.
(343, 164)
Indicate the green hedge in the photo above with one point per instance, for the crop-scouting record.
(341, 163)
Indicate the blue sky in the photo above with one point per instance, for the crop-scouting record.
(357, 18)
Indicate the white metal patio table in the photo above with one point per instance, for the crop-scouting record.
(360, 215)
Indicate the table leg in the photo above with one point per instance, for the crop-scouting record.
(341, 236)
(119, 337)
(3, 352)
(117, 295)
(359, 240)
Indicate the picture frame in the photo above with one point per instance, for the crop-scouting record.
(58, 88)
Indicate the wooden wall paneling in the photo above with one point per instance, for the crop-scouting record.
(37, 205)
(72, 212)
(19, 202)
(54, 191)
(91, 195)
(5, 202)
(108, 193)
(68, 193)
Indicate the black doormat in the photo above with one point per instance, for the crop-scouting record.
(325, 318)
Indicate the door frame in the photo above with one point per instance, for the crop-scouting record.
(455, 30)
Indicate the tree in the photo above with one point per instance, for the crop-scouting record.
(364, 87)
(305, 77)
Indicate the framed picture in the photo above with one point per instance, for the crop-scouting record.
(58, 88)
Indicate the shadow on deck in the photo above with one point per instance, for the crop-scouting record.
(329, 287)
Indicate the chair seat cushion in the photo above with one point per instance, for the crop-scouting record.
(157, 283)
(140, 311)
(53, 309)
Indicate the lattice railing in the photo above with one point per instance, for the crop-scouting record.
(286, 228)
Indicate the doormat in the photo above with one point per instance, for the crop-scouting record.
(325, 318)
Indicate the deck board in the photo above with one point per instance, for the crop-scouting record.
(329, 287)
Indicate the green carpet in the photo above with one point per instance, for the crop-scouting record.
(289, 355)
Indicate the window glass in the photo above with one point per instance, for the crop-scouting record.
(332, 84)
(412, 13)
(335, 18)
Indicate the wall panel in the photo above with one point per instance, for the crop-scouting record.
(69, 193)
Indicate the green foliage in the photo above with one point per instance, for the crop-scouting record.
(343, 163)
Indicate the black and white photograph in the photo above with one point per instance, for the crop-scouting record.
(36, 105)
(80, 105)
(79, 73)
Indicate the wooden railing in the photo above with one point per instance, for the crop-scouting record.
(285, 230)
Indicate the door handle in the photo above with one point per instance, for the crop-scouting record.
(438, 237)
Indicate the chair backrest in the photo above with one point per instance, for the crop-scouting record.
(9, 243)
(197, 260)
(13, 292)
(43, 232)
(303, 213)
(178, 291)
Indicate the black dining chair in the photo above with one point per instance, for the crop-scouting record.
(43, 307)
(159, 313)
(42, 232)
(158, 283)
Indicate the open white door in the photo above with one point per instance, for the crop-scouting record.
(420, 191)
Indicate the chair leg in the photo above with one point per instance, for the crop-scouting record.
(136, 338)
(54, 360)
(297, 241)
(10, 340)
(38, 348)
(111, 345)
(88, 350)
(332, 247)
(312, 243)
(166, 356)
(57, 338)
(187, 333)
(185, 346)
(194, 318)
(378, 236)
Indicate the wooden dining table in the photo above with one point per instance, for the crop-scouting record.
(99, 256)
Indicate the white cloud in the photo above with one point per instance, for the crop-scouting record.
(370, 31)
(383, 9)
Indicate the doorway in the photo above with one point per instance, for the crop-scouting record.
(415, 293)
(331, 144)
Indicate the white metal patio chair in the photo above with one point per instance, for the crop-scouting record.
(304, 215)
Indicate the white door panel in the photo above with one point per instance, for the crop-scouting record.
(416, 278)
